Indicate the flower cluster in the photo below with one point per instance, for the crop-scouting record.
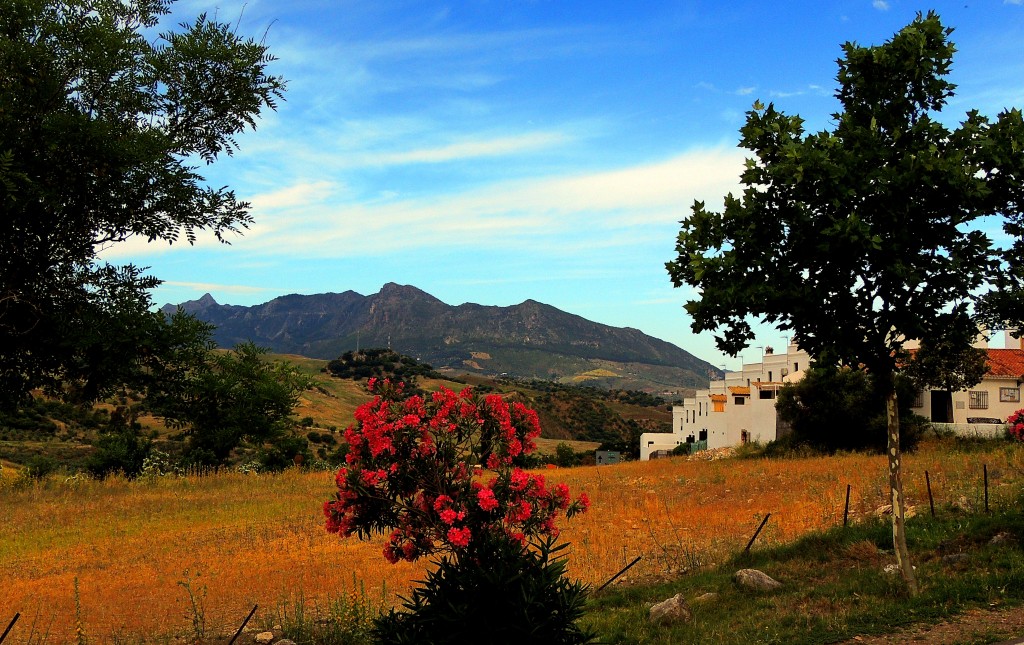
(1016, 425)
(406, 474)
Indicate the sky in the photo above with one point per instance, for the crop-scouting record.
(494, 151)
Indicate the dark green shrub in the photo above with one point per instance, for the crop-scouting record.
(38, 466)
(835, 408)
(498, 592)
(119, 448)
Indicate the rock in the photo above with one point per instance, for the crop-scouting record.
(908, 512)
(285, 641)
(673, 610)
(707, 597)
(756, 580)
(1000, 538)
(891, 569)
(264, 638)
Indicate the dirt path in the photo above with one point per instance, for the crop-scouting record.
(974, 626)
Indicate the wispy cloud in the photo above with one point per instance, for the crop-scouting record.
(881, 5)
(744, 91)
(211, 286)
(556, 211)
(467, 149)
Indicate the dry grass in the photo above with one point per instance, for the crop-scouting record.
(246, 540)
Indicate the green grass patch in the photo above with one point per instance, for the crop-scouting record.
(834, 585)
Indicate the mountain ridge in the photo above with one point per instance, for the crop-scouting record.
(529, 340)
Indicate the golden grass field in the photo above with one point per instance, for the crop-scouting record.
(240, 540)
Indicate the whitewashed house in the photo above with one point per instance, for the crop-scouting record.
(741, 407)
(735, 410)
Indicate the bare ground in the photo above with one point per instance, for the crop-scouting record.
(974, 626)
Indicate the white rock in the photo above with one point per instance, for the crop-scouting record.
(673, 610)
(754, 579)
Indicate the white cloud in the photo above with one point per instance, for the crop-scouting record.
(881, 5)
(744, 91)
(210, 286)
(548, 212)
(467, 149)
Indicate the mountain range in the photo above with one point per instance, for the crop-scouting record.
(528, 340)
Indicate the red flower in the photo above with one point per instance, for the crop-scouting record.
(486, 499)
(459, 537)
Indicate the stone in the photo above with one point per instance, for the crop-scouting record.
(264, 638)
(673, 610)
(705, 597)
(1000, 538)
(756, 580)
(285, 641)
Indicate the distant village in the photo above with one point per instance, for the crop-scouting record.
(741, 407)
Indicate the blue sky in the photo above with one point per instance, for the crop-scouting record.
(494, 151)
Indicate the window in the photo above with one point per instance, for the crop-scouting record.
(796, 367)
(769, 376)
(719, 405)
(978, 400)
(739, 400)
(766, 394)
(918, 400)
(1009, 394)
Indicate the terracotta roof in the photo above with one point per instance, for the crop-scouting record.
(1006, 362)
(739, 390)
(719, 398)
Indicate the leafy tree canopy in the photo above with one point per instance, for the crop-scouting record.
(380, 362)
(100, 131)
(863, 236)
(230, 398)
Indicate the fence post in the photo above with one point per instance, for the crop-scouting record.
(846, 509)
(928, 483)
(9, 627)
(242, 626)
(756, 533)
(985, 467)
(624, 570)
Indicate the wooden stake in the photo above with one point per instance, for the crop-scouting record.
(244, 623)
(846, 509)
(931, 502)
(613, 578)
(756, 533)
(985, 466)
(9, 627)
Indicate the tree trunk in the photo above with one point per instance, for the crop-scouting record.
(899, 533)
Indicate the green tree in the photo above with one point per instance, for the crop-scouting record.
(837, 408)
(230, 398)
(861, 237)
(99, 127)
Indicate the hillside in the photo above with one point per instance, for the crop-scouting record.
(63, 435)
(528, 340)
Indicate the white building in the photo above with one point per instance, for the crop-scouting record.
(735, 410)
(741, 407)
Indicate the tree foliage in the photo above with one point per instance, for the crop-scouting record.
(858, 238)
(380, 363)
(100, 127)
(233, 397)
(833, 408)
